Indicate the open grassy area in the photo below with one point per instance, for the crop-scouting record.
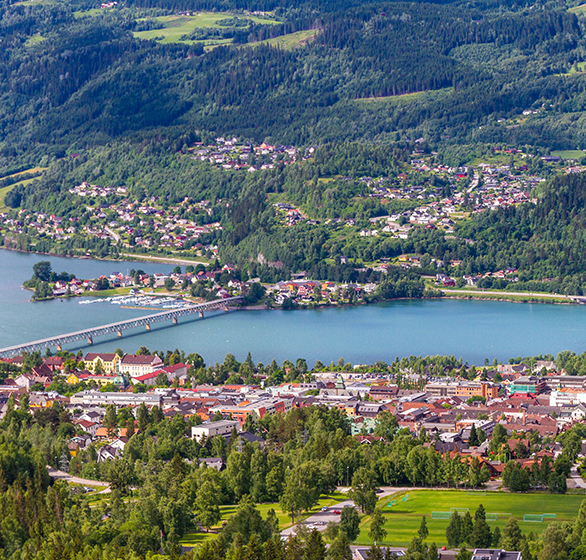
(405, 98)
(403, 519)
(571, 154)
(175, 27)
(289, 41)
(4, 190)
(195, 538)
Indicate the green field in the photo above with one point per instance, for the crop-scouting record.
(570, 154)
(5, 190)
(405, 98)
(403, 519)
(195, 538)
(290, 41)
(175, 27)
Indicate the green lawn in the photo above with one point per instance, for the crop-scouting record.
(570, 154)
(404, 518)
(177, 26)
(195, 538)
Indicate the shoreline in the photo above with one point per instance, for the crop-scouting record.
(516, 297)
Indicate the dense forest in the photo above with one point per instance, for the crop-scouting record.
(72, 79)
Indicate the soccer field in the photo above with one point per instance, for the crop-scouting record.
(404, 517)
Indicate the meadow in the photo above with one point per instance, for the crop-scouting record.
(402, 520)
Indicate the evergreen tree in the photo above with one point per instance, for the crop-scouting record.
(481, 536)
(466, 525)
(314, 547)
(473, 440)
(453, 529)
(377, 532)
(423, 530)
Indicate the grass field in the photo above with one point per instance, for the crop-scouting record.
(569, 154)
(193, 539)
(177, 26)
(406, 97)
(290, 41)
(404, 518)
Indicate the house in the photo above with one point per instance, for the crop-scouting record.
(106, 453)
(212, 429)
(212, 463)
(135, 366)
(106, 362)
(148, 379)
(25, 380)
(119, 443)
(177, 371)
(87, 426)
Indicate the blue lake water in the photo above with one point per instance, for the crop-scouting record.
(473, 330)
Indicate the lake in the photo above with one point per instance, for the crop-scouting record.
(473, 330)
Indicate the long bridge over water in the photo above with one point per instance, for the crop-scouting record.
(89, 334)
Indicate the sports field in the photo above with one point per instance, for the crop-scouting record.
(404, 517)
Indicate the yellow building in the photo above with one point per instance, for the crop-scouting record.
(105, 362)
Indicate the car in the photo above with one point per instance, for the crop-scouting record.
(324, 508)
(337, 512)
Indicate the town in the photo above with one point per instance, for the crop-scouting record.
(502, 425)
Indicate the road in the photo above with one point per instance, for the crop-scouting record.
(576, 478)
(113, 235)
(320, 519)
(169, 260)
(60, 475)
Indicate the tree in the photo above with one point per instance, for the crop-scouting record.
(512, 536)
(375, 552)
(473, 440)
(315, 548)
(340, 548)
(377, 531)
(42, 270)
(423, 530)
(143, 417)
(110, 421)
(481, 537)
(169, 283)
(464, 554)
(24, 403)
(555, 545)
(207, 510)
(453, 530)
(363, 490)
(466, 526)
(350, 522)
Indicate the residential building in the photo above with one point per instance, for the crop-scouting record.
(464, 389)
(213, 429)
(106, 362)
(135, 366)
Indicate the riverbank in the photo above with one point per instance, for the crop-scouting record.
(515, 297)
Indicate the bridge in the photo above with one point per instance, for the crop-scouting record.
(88, 335)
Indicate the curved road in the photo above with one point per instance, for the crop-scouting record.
(60, 475)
